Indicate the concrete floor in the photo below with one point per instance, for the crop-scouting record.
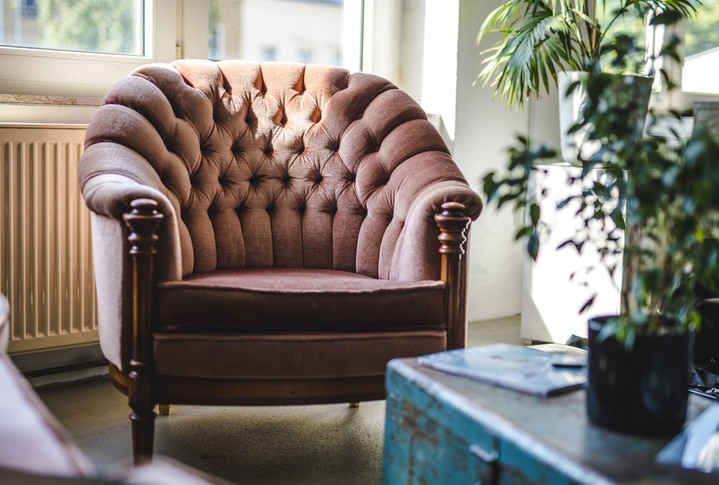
(321, 444)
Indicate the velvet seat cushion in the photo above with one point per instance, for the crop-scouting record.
(285, 323)
(298, 300)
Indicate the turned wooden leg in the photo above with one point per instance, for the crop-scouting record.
(164, 409)
(354, 404)
(143, 432)
(142, 221)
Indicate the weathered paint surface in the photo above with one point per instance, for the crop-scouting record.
(443, 429)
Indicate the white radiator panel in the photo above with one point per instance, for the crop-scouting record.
(45, 249)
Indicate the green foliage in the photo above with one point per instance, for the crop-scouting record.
(653, 213)
(703, 34)
(106, 26)
(537, 39)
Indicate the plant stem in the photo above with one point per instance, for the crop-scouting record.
(631, 269)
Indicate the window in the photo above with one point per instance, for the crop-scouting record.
(90, 44)
(100, 26)
(301, 30)
(701, 61)
(80, 47)
(267, 53)
(305, 56)
(631, 26)
(29, 9)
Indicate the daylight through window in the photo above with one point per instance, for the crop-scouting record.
(701, 62)
(307, 31)
(97, 26)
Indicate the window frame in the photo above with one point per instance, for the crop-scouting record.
(678, 99)
(40, 72)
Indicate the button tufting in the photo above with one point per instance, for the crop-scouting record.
(250, 118)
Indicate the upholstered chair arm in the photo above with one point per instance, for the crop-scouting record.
(416, 255)
(109, 195)
(433, 244)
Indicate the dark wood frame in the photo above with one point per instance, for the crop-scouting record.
(145, 389)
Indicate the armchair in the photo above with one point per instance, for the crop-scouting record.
(269, 234)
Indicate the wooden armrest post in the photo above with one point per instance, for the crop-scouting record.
(453, 223)
(142, 221)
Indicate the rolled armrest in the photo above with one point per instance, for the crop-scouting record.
(110, 191)
(417, 253)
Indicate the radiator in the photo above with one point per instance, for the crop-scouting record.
(45, 248)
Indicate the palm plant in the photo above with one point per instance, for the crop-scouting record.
(541, 38)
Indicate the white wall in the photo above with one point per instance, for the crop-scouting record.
(439, 61)
(483, 131)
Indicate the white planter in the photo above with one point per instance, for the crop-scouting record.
(570, 108)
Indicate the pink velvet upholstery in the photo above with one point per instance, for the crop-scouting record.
(298, 238)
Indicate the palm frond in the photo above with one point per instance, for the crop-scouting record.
(539, 38)
(528, 59)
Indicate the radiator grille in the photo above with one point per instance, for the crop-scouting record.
(45, 249)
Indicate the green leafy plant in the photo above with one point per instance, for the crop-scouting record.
(646, 205)
(537, 39)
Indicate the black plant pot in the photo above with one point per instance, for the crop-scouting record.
(642, 390)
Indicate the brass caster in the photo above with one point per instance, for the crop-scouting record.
(164, 409)
(354, 405)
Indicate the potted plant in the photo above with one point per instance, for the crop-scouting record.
(646, 206)
(540, 39)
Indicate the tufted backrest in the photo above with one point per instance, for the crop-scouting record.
(277, 164)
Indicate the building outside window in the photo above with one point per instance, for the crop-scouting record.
(267, 53)
(298, 30)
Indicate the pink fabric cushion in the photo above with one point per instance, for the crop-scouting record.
(298, 300)
(31, 439)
